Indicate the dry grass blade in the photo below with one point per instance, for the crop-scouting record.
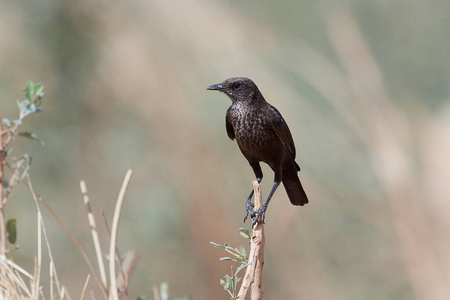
(85, 287)
(45, 238)
(119, 259)
(12, 285)
(38, 260)
(51, 281)
(16, 267)
(98, 249)
(80, 248)
(114, 229)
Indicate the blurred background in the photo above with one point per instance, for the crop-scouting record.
(363, 85)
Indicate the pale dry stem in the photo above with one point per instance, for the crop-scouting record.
(115, 226)
(85, 287)
(254, 272)
(98, 249)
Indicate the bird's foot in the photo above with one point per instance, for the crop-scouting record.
(249, 209)
(260, 213)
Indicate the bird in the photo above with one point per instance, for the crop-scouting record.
(262, 136)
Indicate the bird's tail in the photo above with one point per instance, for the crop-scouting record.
(294, 188)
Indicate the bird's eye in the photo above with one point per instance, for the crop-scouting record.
(236, 86)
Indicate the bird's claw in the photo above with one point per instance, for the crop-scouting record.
(249, 209)
(259, 214)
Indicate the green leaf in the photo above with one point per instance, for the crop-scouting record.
(225, 258)
(26, 108)
(31, 136)
(33, 95)
(223, 283)
(23, 106)
(241, 260)
(6, 122)
(245, 233)
(29, 90)
(242, 251)
(241, 267)
(11, 230)
(229, 282)
(38, 91)
(217, 245)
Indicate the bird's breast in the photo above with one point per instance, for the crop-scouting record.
(252, 129)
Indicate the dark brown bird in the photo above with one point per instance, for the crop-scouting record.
(262, 135)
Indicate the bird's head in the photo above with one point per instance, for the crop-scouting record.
(237, 89)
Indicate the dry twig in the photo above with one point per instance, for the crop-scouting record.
(254, 273)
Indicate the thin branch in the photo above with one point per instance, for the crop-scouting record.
(12, 182)
(115, 226)
(231, 252)
(98, 249)
(6, 131)
(254, 273)
(233, 277)
(11, 131)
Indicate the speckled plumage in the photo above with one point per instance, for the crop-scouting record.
(252, 129)
(262, 135)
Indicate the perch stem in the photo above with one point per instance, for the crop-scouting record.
(254, 272)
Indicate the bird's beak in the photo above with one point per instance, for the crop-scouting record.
(216, 87)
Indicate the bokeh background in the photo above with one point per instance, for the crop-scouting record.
(363, 85)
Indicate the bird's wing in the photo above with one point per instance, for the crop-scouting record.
(282, 130)
(230, 129)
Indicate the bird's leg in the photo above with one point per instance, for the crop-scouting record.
(249, 204)
(262, 211)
